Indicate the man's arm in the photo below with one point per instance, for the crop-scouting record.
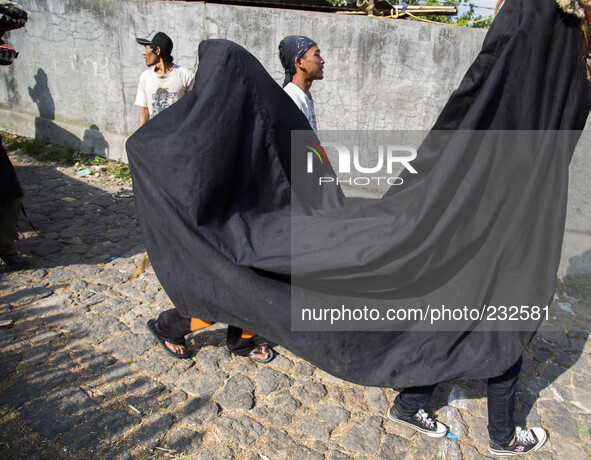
(191, 81)
(141, 100)
(188, 79)
(144, 116)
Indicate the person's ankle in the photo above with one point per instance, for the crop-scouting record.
(504, 444)
(403, 414)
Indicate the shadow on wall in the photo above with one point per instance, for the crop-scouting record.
(94, 142)
(46, 129)
(579, 264)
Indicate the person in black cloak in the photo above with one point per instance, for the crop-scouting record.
(505, 438)
(11, 195)
(232, 229)
(172, 81)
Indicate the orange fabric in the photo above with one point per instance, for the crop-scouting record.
(247, 334)
(197, 324)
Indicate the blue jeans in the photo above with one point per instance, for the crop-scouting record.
(501, 403)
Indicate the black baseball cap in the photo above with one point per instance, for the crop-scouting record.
(161, 40)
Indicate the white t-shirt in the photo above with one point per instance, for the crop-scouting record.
(157, 92)
(304, 103)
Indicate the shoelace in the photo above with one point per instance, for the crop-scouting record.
(424, 418)
(524, 436)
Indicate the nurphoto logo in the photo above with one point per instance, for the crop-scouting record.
(382, 170)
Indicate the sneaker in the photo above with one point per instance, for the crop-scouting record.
(525, 442)
(420, 422)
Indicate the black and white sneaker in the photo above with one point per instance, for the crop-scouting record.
(420, 422)
(526, 441)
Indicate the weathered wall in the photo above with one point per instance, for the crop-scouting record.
(76, 77)
(79, 64)
(576, 249)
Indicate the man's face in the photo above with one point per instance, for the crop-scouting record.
(312, 63)
(150, 56)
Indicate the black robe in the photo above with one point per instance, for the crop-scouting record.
(230, 224)
(9, 185)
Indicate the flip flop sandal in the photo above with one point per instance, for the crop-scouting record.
(259, 349)
(161, 340)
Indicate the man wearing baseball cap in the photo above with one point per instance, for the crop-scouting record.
(163, 83)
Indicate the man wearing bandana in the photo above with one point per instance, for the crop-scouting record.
(300, 57)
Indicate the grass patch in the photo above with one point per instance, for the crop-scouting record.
(584, 432)
(529, 351)
(118, 171)
(99, 161)
(577, 285)
(52, 153)
(65, 156)
(6, 138)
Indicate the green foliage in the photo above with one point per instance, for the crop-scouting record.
(577, 285)
(6, 138)
(584, 432)
(529, 349)
(52, 153)
(11, 141)
(62, 155)
(465, 19)
(118, 171)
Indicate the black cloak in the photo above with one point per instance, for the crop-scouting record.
(9, 185)
(227, 227)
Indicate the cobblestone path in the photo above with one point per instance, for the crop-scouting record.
(81, 377)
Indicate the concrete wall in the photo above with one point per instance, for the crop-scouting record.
(76, 77)
(576, 249)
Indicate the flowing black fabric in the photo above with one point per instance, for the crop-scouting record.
(290, 48)
(9, 185)
(228, 227)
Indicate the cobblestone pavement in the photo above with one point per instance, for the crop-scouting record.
(81, 377)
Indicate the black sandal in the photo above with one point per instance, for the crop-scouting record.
(162, 340)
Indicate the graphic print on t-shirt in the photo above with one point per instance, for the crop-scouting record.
(162, 99)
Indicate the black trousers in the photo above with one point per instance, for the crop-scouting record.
(174, 327)
(500, 398)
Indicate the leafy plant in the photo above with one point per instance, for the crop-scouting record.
(63, 155)
(466, 19)
(6, 138)
(118, 171)
(577, 285)
(584, 432)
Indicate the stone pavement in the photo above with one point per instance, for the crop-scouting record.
(81, 377)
